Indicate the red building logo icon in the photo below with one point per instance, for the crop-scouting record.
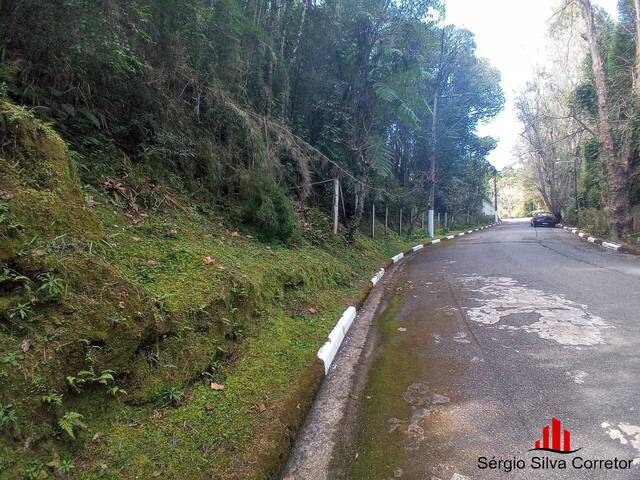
(555, 439)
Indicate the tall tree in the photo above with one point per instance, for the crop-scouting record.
(617, 132)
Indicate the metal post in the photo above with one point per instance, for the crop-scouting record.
(336, 203)
(439, 227)
(373, 220)
(430, 223)
(446, 223)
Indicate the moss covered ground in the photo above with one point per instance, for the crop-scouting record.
(153, 342)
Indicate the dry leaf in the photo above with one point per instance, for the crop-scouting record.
(136, 239)
(261, 407)
(208, 407)
(235, 234)
(402, 329)
(216, 386)
(312, 310)
(207, 260)
(24, 345)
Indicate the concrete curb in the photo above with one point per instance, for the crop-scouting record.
(603, 243)
(330, 348)
(377, 277)
(611, 246)
(397, 258)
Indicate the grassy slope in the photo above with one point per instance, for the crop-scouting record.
(139, 300)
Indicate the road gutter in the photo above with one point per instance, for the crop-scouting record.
(313, 452)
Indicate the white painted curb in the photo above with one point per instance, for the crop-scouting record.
(574, 231)
(581, 234)
(591, 239)
(397, 258)
(376, 278)
(611, 246)
(330, 348)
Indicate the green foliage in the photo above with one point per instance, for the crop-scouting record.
(86, 377)
(52, 399)
(7, 416)
(170, 396)
(50, 285)
(71, 422)
(268, 210)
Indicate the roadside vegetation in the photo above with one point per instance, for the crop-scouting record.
(168, 267)
(580, 121)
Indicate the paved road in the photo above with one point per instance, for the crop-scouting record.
(487, 338)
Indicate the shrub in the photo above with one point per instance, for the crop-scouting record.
(268, 210)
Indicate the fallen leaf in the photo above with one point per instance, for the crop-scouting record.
(136, 239)
(249, 236)
(235, 234)
(402, 329)
(312, 310)
(216, 386)
(172, 232)
(208, 407)
(261, 407)
(6, 196)
(24, 345)
(207, 260)
(95, 438)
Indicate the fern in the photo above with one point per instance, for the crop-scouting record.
(70, 422)
(385, 93)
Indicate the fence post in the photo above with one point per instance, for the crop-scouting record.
(439, 226)
(446, 225)
(400, 223)
(386, 219)
(336, 203)
(373, 220)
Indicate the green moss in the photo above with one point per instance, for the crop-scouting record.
(167, 303)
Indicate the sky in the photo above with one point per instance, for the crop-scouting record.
(509, 34)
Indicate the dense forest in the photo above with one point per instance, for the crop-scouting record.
(168, 169)
(580, 123)
(250, 104)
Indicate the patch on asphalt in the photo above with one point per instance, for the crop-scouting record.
(423, 402)
(627, 435)
(578, 376)
(556, 318)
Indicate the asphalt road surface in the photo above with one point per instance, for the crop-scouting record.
(482, 341)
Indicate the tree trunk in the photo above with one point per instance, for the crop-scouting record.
(617, 162)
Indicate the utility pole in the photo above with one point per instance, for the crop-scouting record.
(575, 189)
(495, 196)
(434, 131)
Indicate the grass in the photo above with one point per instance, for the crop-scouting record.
(167, 300)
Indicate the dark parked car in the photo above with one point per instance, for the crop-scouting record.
(543, 219)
